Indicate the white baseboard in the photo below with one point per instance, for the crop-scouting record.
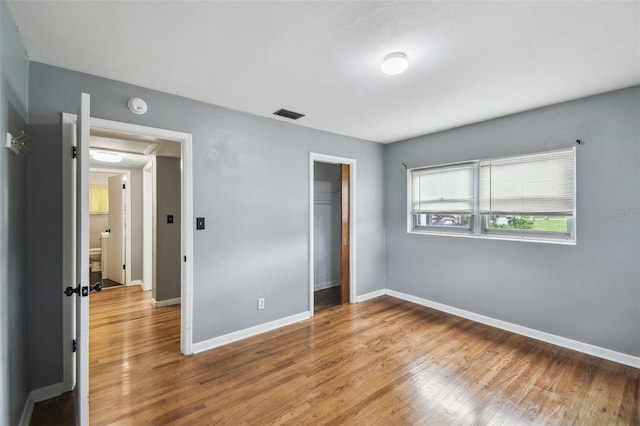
(575, 345)
(38, 395)
(168, 302)
(48, 392)
(371, 295)
(136, 282)
(248, 332)
(322, 286)
(25, 418)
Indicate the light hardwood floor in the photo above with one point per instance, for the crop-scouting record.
(384, 361)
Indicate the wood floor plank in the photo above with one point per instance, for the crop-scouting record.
(381, 362)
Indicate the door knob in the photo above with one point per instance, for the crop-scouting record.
(69, 291)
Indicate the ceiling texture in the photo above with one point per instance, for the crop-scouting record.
(468, 61)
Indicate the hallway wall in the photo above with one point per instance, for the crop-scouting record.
(168, 254)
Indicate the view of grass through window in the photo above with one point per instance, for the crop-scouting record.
(534, 223)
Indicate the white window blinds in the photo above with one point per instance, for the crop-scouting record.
(447, 189)
(528, 184)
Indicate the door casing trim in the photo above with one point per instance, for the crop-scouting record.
(332, 159)
(127, 213)
(68, 274)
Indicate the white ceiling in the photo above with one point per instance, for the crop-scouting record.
(469, 61)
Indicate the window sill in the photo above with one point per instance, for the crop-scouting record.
(559, 241)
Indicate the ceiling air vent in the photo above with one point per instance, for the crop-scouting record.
(288, 114)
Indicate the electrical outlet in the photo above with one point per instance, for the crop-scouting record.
(261, 303)
(11, 143)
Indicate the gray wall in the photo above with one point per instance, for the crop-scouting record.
(136, 224)
(257, 239)
(327, 225)
(13, 225)
(588, 292)
(168, 254)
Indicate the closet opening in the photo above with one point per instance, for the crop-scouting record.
(331, 235)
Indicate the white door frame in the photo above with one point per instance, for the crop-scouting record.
(68, 250)
(148, 224)
(186, 314)
(127, 215)
(81, 154)
(332, 159)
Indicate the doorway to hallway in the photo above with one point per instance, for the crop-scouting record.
(74, 212)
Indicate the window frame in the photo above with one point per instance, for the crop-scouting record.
(442, 230)
(479, 222)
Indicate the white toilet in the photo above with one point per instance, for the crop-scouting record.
(96, 257)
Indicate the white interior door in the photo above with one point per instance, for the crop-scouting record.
(115, 267)
(82, 262)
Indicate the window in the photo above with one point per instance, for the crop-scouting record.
(529, 197)
(443, 197)
(98, 199)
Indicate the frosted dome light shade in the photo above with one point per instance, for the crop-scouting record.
(394, 63)
(106, 157)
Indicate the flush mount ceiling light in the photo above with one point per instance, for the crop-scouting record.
(394, 63)
(137, 106)
(106, 157)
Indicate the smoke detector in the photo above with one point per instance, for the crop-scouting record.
(137, 106)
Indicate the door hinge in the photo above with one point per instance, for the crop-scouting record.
(74, 152)
(124, 186)
(74, 345)
(124, 266)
